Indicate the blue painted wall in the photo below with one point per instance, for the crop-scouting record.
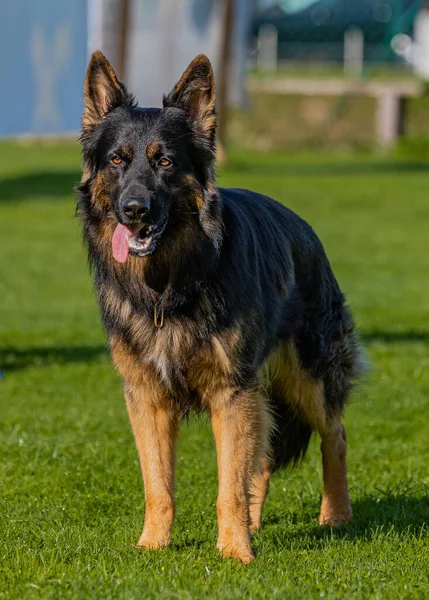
(43, 45)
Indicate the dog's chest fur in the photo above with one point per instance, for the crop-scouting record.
(184, 360)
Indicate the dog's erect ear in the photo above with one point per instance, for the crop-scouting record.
(102, 91)
(195, 94)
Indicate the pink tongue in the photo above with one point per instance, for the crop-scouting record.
(120, 242)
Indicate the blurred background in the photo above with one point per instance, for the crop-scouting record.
(323, 106)
(293, 72)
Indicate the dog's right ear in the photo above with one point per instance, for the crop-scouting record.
(103, 92)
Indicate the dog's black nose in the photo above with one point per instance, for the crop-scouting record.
(136, 209)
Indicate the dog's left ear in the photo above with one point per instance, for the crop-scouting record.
(195, 94)
(103, 92)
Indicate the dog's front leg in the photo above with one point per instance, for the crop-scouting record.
(155, 422)
(238, 427)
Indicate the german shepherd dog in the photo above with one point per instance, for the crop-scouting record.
(213, 299)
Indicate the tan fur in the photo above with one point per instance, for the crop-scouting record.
(283, 374)
(107, 229)
(208, 122)
(212, 367)
(155, 424)
(86, 171)
(154, 420)
(194, 192)
(336, 508)
(165, 349)
(206, 369)
(127, 151)
(258, 493)
(239, 430)
(101, 190)
(152, 149)
(126, 362)
(221, 355)
(120, 309)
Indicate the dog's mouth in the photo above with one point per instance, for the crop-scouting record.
(138, 241)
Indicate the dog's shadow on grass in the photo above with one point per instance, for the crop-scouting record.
(15, 359)
(47, 184)
(392, 337)
(373, 516)
(322, 169)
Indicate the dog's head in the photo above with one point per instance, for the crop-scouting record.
(148, 170)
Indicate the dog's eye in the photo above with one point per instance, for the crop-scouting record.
(116, 160)
(164, 162)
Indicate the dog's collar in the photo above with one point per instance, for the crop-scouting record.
(158, 317)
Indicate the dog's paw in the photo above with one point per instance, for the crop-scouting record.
(335, 519)
(153, 542)
(241, 552)
(255, 527)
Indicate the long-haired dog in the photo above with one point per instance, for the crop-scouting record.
(213, 299)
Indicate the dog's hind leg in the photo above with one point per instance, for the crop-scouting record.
(336, 508)
(258, 493)
(307, 398)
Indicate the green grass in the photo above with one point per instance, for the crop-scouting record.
(70, 486)
(308, 70)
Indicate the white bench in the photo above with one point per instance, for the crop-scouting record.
(390, 98)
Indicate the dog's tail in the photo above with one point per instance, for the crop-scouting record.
(290, 437)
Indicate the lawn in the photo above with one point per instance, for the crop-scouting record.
(71, 494)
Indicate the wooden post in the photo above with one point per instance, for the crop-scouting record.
(390, 118)
(421, 37)
(224, 72)
(267, 48)
(353, 52)
(95, 25)
(123, 20)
